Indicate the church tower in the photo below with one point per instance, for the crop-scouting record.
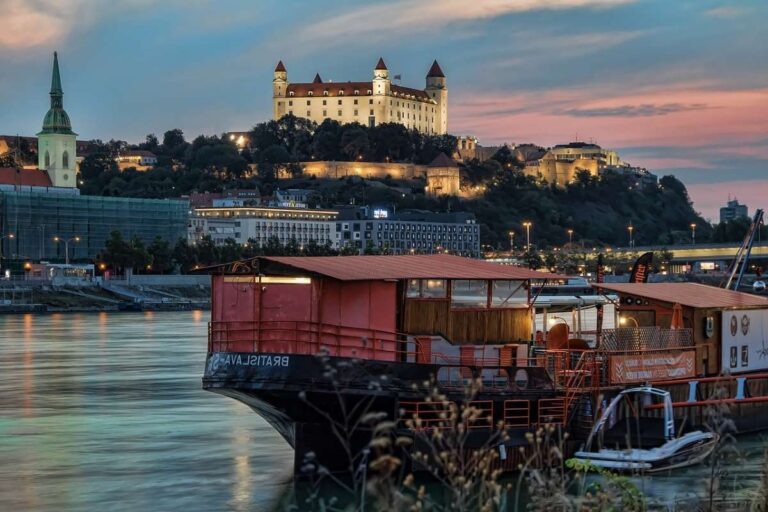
(381, 89)
(279, 91)
(438, 91)
(56, 143)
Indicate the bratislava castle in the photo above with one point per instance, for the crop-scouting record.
(368, 103)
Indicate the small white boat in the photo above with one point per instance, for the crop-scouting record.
(623, 440)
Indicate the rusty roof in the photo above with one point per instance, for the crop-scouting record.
(25, 177)
(693, 295)
(418, 266)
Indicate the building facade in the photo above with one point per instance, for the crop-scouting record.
(368, 103)
(259, 224)
(733, 210)
(562, 163)
(36, 219)
(407, 232)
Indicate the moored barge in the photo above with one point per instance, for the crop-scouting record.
(312, 344)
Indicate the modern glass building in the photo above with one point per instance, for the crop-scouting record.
(31, 221)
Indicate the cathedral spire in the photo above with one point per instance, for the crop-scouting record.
(55, 77)
(56, 120)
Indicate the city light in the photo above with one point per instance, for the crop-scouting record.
(527, 225)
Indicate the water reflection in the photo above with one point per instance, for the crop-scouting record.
(104, 411)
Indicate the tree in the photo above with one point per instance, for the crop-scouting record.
(173, 139)
(117, 252)
(140, 257)
(150, 143)
(327, 141)
(354, 141)
(184, 255)
(162, 257)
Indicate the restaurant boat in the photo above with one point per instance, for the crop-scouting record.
(313, 344)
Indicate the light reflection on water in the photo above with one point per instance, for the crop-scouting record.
(105, 411)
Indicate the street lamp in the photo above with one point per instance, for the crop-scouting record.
(693, 233)
(570, 237)
(511, 241)
(631, 230)
(66, 245)
(624, 319)
(527, 225)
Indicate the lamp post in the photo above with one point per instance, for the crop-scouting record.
(631, 230)
(9, 236)
(511, 241)
(570, 237)
(693, 233)
(527, 225)
(66, 245)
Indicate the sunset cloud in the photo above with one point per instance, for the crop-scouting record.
(644, 110)
(28, 24)
(403, 16)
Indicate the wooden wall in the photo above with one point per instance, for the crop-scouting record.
(466, 325)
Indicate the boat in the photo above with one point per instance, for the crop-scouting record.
(635, 443)
(313, 344)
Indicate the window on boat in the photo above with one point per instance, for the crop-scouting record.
(509, 294)
(427, 288)
(466, 293)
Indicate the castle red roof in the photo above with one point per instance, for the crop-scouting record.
(24, 177)
(334, 89)
(280, 66)
(317, 79)
(380, 64)
(435, 71)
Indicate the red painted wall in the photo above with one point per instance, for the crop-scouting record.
(349, 318)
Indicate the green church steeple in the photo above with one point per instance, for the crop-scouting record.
(56, 119)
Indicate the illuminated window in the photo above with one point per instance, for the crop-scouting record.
(341, 92)
(310, 93)
(357, 93)
(290, 93)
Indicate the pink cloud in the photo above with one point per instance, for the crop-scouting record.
(673, 116)
(709, 197)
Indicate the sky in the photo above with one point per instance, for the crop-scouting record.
(679, 87)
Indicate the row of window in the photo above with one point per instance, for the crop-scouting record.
(341, 92)
(409, 226)
(471, 293)
(422, 236)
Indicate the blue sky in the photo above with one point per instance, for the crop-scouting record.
(680, 87)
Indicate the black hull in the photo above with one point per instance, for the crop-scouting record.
(311, 400)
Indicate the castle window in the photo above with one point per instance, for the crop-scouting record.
(341, 92)
(355, 112)
(357, 93)
(290, 112)
(309, 114)
(325, 113)
(355, 102)
(47, 159)
(325, 102)
(310, 93)
(339, 102)
(290, 93)
(65, 160)
(370, 102)
(325, 92)
(339, 113)
(309, 102)
(370, 91)
(371, 112)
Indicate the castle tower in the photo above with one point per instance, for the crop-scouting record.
(438, 91)
(381, 89)
(56, 143)
(279, 88)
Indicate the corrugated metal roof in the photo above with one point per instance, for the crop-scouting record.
(694, 295)
(418, 266)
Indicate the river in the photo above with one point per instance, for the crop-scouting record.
(104, 411)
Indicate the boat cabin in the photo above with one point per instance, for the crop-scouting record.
(396, 308)
(728, 328)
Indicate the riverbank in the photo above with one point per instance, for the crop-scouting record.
(139, 293)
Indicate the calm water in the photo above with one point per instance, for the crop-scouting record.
(106, 412)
